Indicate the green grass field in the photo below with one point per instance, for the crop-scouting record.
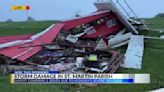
(19, 28)
(155, 23)
(153, 63)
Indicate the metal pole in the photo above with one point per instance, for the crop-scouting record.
(123, 8)
(131, 9)
(27, 14)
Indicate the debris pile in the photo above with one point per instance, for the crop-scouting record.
(80, 45)
(83, 56)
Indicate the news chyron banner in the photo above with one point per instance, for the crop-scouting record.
(20, 8)
(53, 77)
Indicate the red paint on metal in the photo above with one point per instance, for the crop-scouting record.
(50, 35)
(14, 51)
(23, 54)
(13, 38)
(82, 20)
(103, 30)
(46, 39)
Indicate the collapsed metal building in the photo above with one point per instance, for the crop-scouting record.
(82, 44)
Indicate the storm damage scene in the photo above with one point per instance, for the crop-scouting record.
(104, 42)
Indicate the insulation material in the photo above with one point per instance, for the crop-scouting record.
(72, 38)
(90, 30)
(101, 45)
(119, 39)
(103, 30)
(120, 44)
(134, 52)
(121, 32)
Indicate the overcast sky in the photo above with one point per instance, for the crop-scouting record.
(64, 9)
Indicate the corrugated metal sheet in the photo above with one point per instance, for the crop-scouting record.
(103, 30)
(24, 53)
(13, 38)
(134, 52)
(69, 24)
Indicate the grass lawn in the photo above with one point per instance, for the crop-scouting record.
(153, 63)
(155, 23)
(19, 28)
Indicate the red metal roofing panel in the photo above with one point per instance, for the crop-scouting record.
(46, 39)
(14, 51)
(103, 30)
(50, 35)
(82, 20)
(25, 53)
(4, 39)
(30, 53)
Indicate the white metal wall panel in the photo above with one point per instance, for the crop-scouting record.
(134, 52)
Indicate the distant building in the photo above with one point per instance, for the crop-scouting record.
(160, 15)
(9, 20)
(30, 19)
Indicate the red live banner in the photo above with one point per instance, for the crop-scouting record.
(20, 7)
